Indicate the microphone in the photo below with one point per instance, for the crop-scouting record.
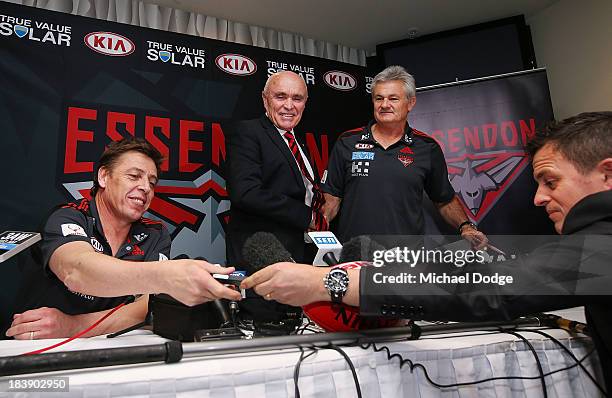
(175, 320)
(359, 248)
(328, 248)
(262, 249)
(269, 317)
(220, 305)
(330, 259)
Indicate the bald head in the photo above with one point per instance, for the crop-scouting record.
(284, 97)
(284, 75)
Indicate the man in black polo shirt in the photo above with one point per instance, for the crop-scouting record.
(378, 173)
(97, 253)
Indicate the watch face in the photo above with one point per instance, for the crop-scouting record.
(337, 281)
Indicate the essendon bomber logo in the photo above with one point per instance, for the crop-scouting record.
(109, 43)
(483, 161)
(190, 197)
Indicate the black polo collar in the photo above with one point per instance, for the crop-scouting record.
(138, 232)
(367, 135)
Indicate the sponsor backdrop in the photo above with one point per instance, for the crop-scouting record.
(482, 128)
(69, 85)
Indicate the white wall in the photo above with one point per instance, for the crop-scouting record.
(573, 40)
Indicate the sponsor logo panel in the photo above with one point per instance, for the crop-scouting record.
(97, 245)
(236, 64)
(340, 80)
(362, 156)
(368, 84)
(305, 71)
(174, 54)
(37, 31)
(141, 236)
(360, 169)
(109, 43)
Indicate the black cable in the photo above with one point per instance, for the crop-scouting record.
(414, 365)
(302, 328)
(567, 350)
(535, 355)
(314, 331)
(296, 370)
(573, 365)
(350, 363)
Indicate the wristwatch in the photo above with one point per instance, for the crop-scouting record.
(336, 282)
(468, 222)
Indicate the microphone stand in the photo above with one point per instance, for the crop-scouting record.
(174, 351)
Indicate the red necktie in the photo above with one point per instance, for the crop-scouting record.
(317, 196)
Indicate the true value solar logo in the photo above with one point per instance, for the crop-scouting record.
(176, 55)
(37, 31)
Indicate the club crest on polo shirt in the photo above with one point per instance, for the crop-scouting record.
(73, 229)
(405, 159)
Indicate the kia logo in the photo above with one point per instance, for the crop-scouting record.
(109, 43)
(236, 64)
(340, 80)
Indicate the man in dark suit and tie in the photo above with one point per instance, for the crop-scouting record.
(271, 184)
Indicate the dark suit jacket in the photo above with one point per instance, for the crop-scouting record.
(267, 193)
(576, 270)
(266, 189)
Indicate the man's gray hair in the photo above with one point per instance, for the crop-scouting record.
(396, 72)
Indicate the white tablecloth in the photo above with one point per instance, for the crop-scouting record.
(462, 358)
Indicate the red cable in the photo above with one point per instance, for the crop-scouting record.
(76, 336)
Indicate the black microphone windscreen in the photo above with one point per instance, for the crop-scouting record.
(181, 257)
(359, 248)
(330, 259)
(262, 249)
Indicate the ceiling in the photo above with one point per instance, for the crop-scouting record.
(360, 23)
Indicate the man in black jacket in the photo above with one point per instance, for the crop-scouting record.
(572, 162)
(271, 184)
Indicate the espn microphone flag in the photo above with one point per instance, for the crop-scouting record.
(13, 242)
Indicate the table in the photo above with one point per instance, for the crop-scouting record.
(448, 359)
